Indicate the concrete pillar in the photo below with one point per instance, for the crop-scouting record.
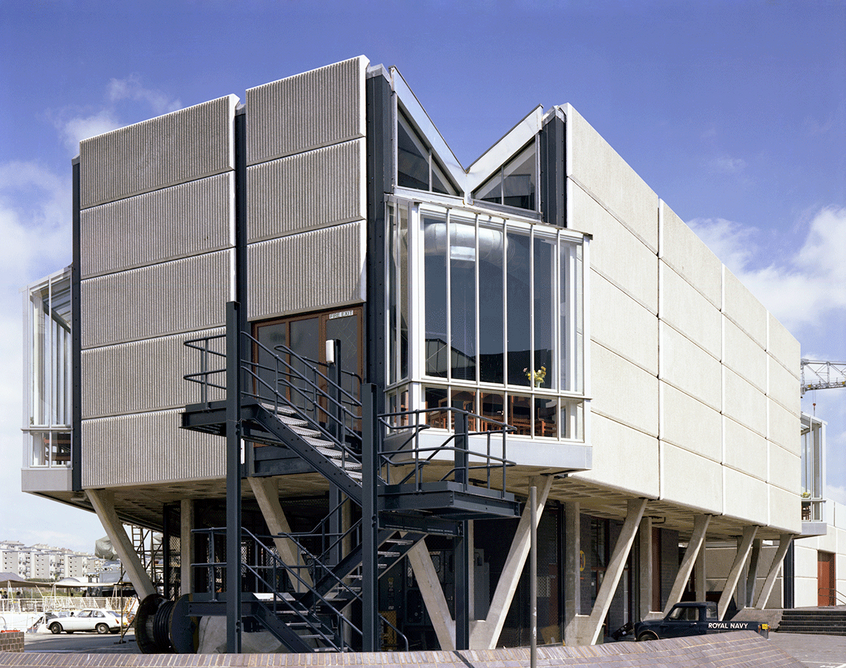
(743, 549)
(697, 540)
(267, 496)
(186, 546)
(785, 540)
(702, 574)
(104, 505)
(644, 551)
(752, 573)
(616, 566)
(740, 589)
(484, 635)
(433, 595)
(572, 571)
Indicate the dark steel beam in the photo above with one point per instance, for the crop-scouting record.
(369, 522)
(76, 339)
(233, 479)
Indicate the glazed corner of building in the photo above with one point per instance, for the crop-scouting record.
(688, 394)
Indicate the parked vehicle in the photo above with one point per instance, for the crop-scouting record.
(89, 619)
(693, 619)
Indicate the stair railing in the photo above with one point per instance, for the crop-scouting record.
(833, 595)
(206, 377)
(393, 455)
(280, 383)
(268, 570)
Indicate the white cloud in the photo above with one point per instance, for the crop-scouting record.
(131, 88)
(76, 129)
(800, 290)
(73, 127)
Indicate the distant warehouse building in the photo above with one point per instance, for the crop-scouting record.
(325, 238)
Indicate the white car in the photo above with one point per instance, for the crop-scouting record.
(89, 619)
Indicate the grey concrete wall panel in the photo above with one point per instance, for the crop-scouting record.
(304, 272)
(180, 296)
(182, 146)
(147, 448)
(167, 224)
(306, 191)
(744, 309)
(303, 112)
(145, 376)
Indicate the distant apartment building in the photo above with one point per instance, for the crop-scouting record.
(43, 562)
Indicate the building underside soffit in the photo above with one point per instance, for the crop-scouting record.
(143, 505)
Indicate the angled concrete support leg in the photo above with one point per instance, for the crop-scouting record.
(752, 573)
(485, 635)
(702, 574)
(743, 548)
(186, 546)
(433, 594)
(267, 495)
(616, 566)
(104, 506)
(784, 542)
(697, 540)
(572, 571)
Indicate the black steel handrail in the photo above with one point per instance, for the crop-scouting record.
(462, 466)
(293, 605)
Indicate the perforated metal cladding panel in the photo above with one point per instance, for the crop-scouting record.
(304, 272)
(145, 375)
(187, 219)
(180, 296)
(147, 448)
(309, 190)
(178, 147)
(306, 111)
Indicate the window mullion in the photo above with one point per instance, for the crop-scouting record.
(477, 307)
(448, 245)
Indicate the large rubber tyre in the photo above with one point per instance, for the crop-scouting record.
(101, 628)
(55, 628)
(647, 635)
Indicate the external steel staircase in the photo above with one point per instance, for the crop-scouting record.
(299, 416)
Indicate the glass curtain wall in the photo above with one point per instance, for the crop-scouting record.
(47, 428)
(498, 318)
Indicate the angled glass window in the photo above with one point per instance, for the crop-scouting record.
(519, 180)
(412, 158)
(417, 166)
(513, 184)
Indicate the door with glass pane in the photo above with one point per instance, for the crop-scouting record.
(306, 336)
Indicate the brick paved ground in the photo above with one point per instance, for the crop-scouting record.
(728, 650)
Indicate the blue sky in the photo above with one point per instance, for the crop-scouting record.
(734, 112)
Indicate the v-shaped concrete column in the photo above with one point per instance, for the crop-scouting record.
(616, 566)
(104, 506)
(484, 635)
(267, 495)
(736, 570)
(433, 594)
(784, 541)
(697, 540)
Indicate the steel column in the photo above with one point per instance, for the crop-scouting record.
(233, 478)
(369, 521)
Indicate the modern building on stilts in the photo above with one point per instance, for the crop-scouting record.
(327, 363)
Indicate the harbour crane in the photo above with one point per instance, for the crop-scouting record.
(818, 375)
